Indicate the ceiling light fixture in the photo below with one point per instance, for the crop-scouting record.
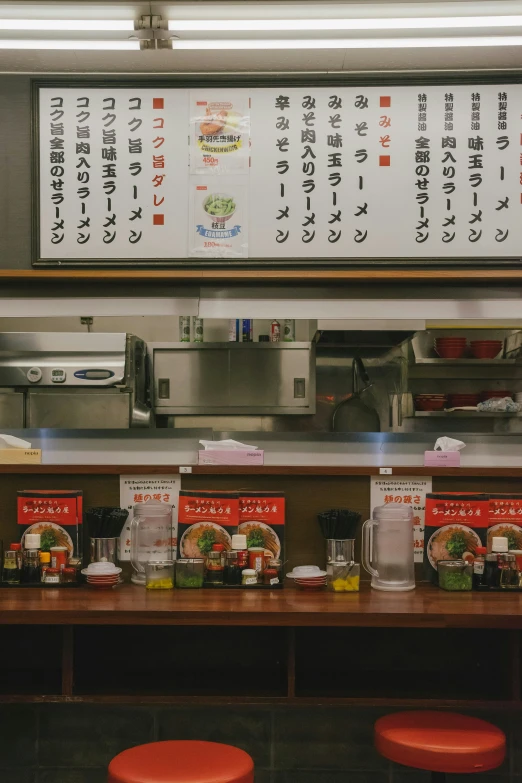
(348, 43)
(68, 25)
(297, 25)
(78, 44)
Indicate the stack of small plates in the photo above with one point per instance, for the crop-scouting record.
(102, 575)
(308, 577)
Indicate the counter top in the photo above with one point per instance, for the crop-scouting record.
(425, 607)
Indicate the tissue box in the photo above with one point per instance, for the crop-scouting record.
(20, 456)
(231, 457)
(442, 459)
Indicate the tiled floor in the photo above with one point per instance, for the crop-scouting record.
(73, 743)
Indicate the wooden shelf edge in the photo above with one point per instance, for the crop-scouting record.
(403, 274)
(294, 701)
(262, 470)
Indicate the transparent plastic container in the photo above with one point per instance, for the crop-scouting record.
(190, 572)
(159, 575)
(455, 575)
(343, 577)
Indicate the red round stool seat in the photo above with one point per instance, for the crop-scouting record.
(182, 761)
(440, 741)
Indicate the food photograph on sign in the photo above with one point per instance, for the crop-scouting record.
(218, 218)
(220, 123)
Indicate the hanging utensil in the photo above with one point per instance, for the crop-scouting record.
(352, 414)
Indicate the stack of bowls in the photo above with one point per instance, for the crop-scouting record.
(463, 400)
(430, 402)
(308, 577)
(486, 349)
(102, 575)
(451, 347)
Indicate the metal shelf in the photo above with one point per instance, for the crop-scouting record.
(466, 414)
(467, 362)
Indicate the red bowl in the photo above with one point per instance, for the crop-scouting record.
(430, 405)
(456, 352)
(485, 351)
(495, 395)
(451, 339)
(456, 401)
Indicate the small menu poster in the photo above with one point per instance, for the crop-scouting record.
(139, 489)
(410, 491)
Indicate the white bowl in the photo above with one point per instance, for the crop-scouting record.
(310, 574)
(101, 569)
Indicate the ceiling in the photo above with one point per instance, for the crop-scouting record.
(321, 60)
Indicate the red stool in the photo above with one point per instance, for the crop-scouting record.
(182, 761)
(441, 742)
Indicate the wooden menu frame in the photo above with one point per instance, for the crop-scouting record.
(251, 264)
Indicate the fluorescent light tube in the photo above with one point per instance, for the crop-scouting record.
(286, 25)
(348, 43)
(85, 45)
(69, 25)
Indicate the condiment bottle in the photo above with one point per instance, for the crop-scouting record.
(18, 549)
(499, 545)
(220, 548)
(507, 564)
(31, 558)
(479, 569)
(52, 576)
(232, 575)
(239, 545)
(272, 572)
(45, 563)
(256, 558)
(249, 577)
(32, 541)
(11, 573)
(68, 575)
(518, 558)
(215, 569)
(31, 567)
(59, 556)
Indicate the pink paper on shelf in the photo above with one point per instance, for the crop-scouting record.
(442, 459)
(231, 457)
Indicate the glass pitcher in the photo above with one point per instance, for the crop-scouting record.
(388, 547)
(151, 536)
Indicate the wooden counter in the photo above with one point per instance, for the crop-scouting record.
(424, 607)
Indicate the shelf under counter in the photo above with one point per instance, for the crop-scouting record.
(424, 607)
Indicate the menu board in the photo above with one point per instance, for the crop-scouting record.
(279, 173)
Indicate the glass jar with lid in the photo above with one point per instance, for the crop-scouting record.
(455, 575)
(272, 572)
(190, 572)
